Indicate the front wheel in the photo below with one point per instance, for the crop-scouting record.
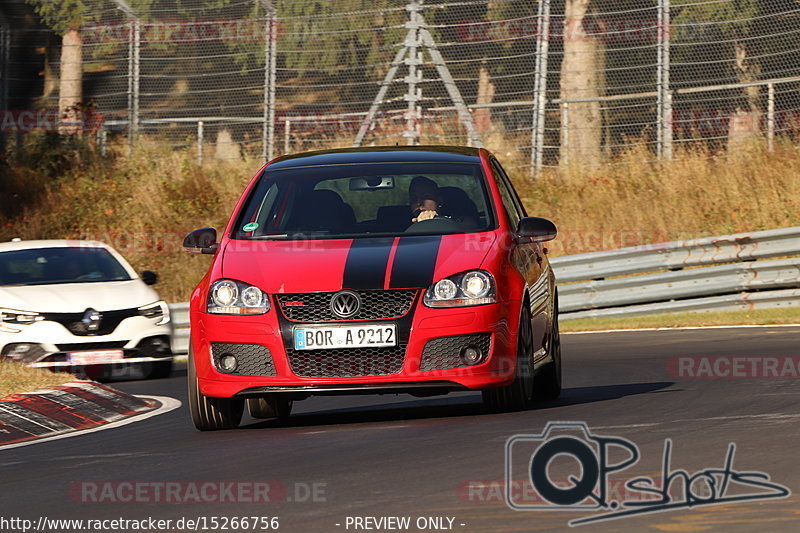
(209, 413)
(518, 395)
(547, 383)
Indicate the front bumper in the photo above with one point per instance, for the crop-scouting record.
(497, 320)
(135, 340)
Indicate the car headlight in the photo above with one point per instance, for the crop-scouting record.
(157, 310)
(12, 316)
(228, 297)
(469, 288)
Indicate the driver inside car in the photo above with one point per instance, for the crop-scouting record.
(425, 200)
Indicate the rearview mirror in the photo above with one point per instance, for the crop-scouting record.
(371, 183)
(201, 241)
(149, 277)
(537, 229)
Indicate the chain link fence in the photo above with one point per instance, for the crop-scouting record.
(544, 83)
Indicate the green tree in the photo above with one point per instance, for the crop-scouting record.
(68, 18)
(732, 27)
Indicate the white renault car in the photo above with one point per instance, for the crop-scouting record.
(79, 304)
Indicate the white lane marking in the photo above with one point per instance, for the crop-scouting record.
(167, 404)
(376, 428)
(743, 326)
(766, 416)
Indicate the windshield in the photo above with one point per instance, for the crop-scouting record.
(47, 266)
(366, 199)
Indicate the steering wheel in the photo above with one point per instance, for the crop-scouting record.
(435, 225)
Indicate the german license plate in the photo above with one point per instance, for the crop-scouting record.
(319, 338)
(97, 357)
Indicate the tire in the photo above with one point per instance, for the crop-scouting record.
(209, 413)
(518, 395)
(269, 407)
(158, 370)
(547, 383)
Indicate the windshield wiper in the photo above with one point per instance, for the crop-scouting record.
(269, 237)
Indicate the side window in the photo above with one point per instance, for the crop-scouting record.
(514, 196)
(506, 193)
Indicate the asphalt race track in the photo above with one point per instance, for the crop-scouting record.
(404, 456)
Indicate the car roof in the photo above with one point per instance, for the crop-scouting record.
(378, 154)
(53, 243)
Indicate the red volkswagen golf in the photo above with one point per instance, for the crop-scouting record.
(380, 270)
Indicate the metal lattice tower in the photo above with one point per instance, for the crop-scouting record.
(418, 39)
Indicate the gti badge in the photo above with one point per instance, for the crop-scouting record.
(345, 304)
(91, 320)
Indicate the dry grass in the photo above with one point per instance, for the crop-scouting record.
(16, 377)
(144, 205)
(636, 200)
(790, 315)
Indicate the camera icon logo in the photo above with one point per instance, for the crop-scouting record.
(534, 460)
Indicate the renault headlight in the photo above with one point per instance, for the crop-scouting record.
(228, 297)
(469, 288)
(11, 317)
(158, 311)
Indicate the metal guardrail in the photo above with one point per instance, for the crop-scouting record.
(179, 315)
(730, 302)
(678, 254)
(709, 274)
(682, 284)
(723, 273)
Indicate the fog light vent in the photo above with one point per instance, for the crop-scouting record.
(228, 363)
(471, 355)
(456, 351)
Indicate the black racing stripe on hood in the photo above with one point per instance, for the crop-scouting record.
(414, 261)
(366, 263)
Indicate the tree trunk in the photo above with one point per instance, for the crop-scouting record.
(582, 76)
(486, 90)
(70, 93)
(745, 124)
(49, 76)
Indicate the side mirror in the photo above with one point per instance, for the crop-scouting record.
(149, 277)
(536, 229)
(201, 241)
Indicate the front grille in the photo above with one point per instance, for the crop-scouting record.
(108, 322)
(81, 346)
(375, 305)
(253, 359)
(346, 362)
(445, 352)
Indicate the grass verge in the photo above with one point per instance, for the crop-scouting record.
(16, 377)
(789, 315)
(143, 205)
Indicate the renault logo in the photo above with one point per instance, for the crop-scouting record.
(345, 304)
(91, 320)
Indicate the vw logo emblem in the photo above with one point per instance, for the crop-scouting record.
(91, 320)
(345, 304)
